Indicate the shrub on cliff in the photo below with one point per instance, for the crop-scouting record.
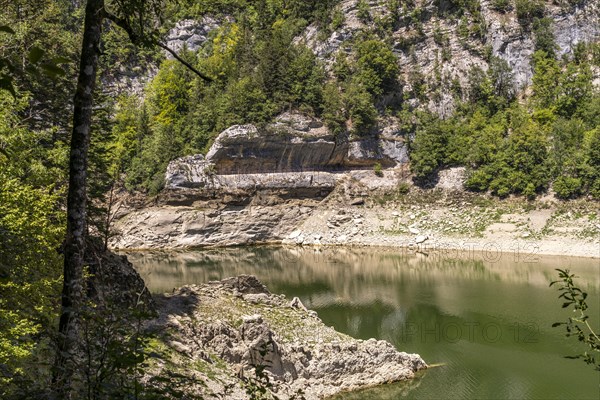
(527, 10)
(567, 187)
(377, 66)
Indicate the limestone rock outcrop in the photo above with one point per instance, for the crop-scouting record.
(234, 326)
(221, 225)
(448, 41)
(190, 34)
(295, 151)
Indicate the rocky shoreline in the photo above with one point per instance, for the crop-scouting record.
(363, 210)
(496, 230)
(225, 339)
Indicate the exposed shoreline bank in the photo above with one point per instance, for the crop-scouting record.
(485, 250)
(498, 228)
(489, 249)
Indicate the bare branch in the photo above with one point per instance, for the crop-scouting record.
(140, 40)
(181, 60)
(123, 24)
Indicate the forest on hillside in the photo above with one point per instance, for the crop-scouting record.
(526, 143)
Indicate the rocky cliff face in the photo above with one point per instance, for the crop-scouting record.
(240, 209)
(294, 152)
(435, 41)
(265, 220)
(254, 173)
(437, 44)
(190, 34)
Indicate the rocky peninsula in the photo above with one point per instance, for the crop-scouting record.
(228, 339)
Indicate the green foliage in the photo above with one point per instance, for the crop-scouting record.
(428, 149)
(258, 73)
(378, 170)
(31, 231)
(567, 156)
(377, 66)
(127, 132)
(306, 86)
(114, 351)
(363, 11)
(544, 36)
(519, 166)
(360, 109)
(501, 5)
(418, 85)
(338, 19)
(341, 67)
(501, 76)
(575, 89)
(481, 89)
(438, 36)
(40, 54)
(577, 326)
(463, 29)
(545, 79)
(527, 10)
(403, 188)
(591, 169)
(567, 187)
(561, 89)
(35, 54)
(333, 113)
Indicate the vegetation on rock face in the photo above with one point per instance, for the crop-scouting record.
(260, 71)
(511, 147)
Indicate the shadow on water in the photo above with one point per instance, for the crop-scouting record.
(489, 323)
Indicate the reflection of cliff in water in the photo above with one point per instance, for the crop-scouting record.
(353, 275)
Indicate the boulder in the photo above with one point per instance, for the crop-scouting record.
(243, 149)
(421, 239)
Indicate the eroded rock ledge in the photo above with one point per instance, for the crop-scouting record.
(219, 332)
(296, 151)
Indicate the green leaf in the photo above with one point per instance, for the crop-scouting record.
(52, 70)
(7, 29)
(6, 83)
(60, 60)
(4, 63)
(35, 55)
(32, 70)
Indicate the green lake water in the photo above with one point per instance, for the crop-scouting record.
(485, 318)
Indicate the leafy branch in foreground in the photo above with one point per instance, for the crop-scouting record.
(576, 298)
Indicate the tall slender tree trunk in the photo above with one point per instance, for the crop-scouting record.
(74, 249)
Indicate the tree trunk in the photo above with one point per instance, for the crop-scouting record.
(74, 248)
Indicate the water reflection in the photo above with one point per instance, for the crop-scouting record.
(370, 269)
(487, 319)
